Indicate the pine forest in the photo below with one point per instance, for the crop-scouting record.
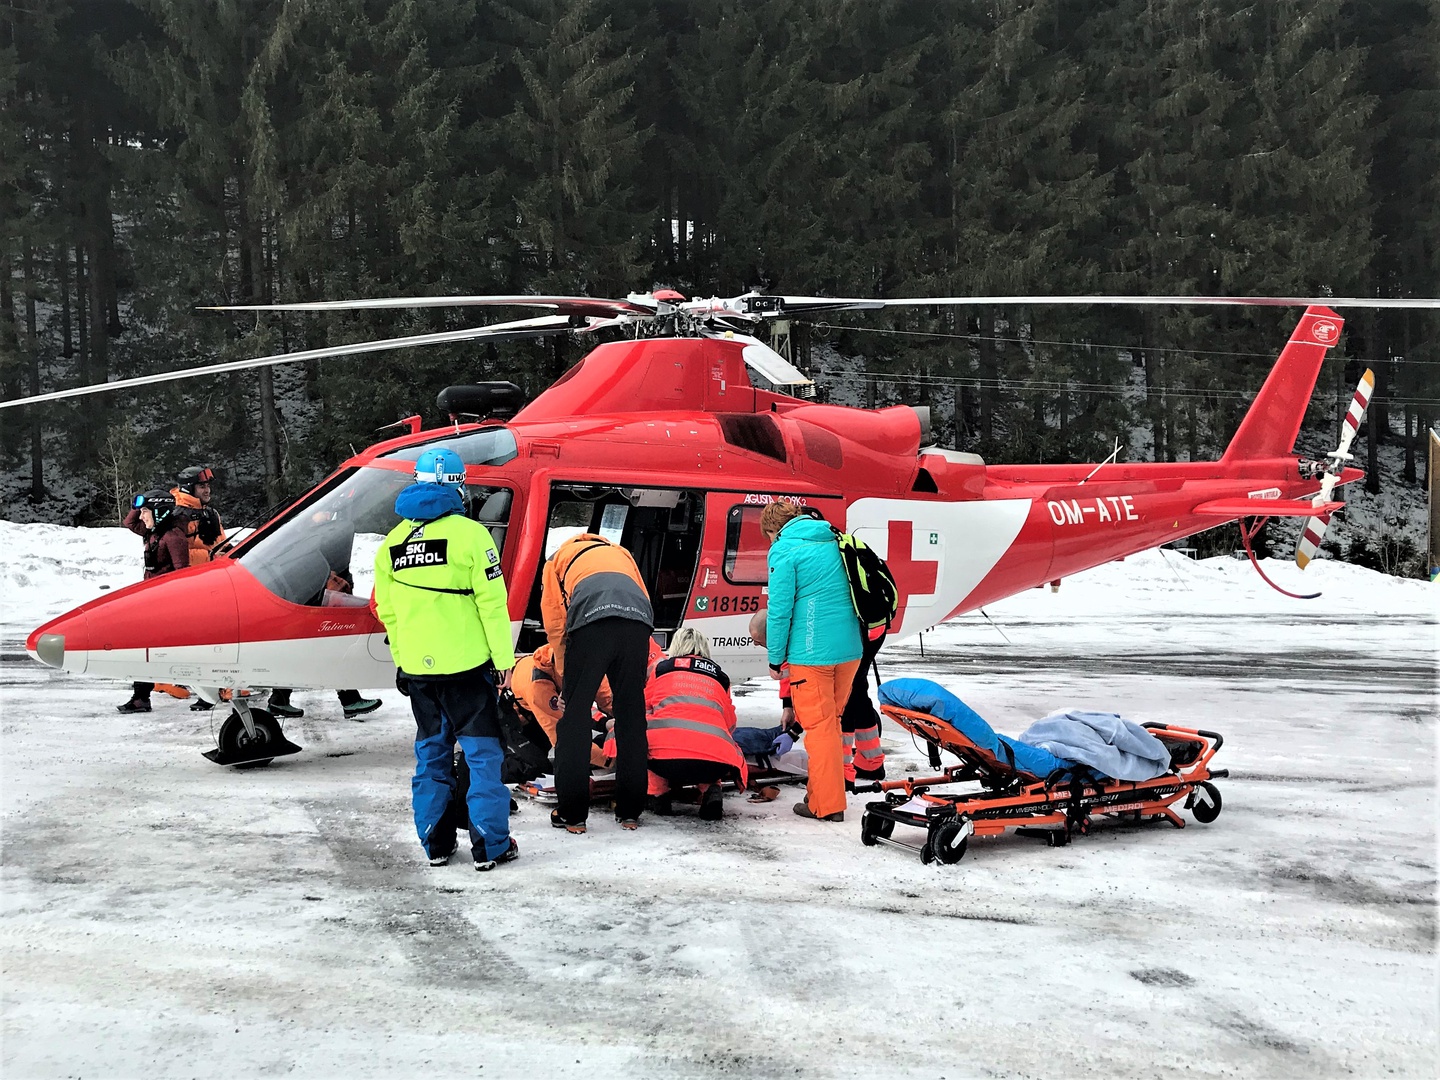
(158, 156)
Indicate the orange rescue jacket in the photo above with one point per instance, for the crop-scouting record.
(588, 579)
(536, 686)
(688, 713)
(199, 549)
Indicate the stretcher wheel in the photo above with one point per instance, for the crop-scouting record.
(944, 842)
(1057, 837)
(874, 828)
(1206, 812)
(927, 854)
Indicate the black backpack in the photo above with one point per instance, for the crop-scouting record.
(872, 587)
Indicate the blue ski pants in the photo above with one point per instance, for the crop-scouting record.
(458, 709)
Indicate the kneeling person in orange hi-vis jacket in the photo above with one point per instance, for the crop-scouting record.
(811, 625)
(690, 725)
(536, 686)
(598, 620)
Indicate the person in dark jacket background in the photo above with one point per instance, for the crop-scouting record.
(154, 518)
(598, 619)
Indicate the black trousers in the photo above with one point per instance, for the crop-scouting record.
(859, 712)
(618, 650)
(681, 772)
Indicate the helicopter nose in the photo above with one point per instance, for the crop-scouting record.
(50, 650)
(48, 643)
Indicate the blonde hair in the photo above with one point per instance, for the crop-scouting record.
(689, 642)
(777, 515)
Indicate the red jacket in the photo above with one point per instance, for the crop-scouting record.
(166, 550)
(688, 713)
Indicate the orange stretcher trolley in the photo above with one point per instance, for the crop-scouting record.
(1010, 785)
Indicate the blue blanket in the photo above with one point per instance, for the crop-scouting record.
(1108, 743)
(922, 695)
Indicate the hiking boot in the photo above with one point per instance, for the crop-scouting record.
(441, 860)
(802, 808)
(629, 824)
(510, 854)
(284, 711)
(200, 705)
(712, 803)
(134, 705)
(663, 805)
(559, 822)
(360, 708)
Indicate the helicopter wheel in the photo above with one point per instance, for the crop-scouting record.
(237, 747)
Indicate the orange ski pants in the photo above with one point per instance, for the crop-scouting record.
(819, 694)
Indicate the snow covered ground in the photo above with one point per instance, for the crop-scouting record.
(165, 917)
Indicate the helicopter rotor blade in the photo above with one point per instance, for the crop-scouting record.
(547, 324)
(564, 305)
(1314, 530)
(780, 306)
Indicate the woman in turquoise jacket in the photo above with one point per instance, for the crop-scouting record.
(811, 625)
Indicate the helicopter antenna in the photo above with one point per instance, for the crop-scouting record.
(1113, 455)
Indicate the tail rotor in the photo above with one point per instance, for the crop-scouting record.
(1314, 531)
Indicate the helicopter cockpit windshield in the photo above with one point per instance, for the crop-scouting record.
(322, 553)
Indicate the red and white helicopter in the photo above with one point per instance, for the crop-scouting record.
(662, 443)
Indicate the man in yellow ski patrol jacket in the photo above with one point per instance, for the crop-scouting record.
(439, 592)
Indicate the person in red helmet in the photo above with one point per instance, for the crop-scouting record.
(203, 530)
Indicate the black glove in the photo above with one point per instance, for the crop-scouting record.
(402, 682)
(207, 525)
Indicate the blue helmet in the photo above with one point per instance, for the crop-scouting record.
(440, 466)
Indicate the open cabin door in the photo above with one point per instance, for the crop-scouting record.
(660, 527)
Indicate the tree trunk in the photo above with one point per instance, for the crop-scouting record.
(988, 389)
(82, 323)
(62, 271)
(1372, 434)
(1155, 405)
(9, 336)
(1410, 441)
(252, 262)
(37, 460)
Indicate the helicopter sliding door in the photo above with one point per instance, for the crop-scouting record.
(660, 527)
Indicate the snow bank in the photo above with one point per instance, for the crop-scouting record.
(45, 570)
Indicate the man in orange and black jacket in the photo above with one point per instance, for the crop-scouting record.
(598, 620)
(203, 530)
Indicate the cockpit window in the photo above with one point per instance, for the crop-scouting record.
(328, 542)
(488, 446)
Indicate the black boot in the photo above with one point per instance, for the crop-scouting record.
(712, 803)
(134, 705)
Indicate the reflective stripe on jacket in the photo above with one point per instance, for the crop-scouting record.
(688, 713)
(586, 580)
(439, 592)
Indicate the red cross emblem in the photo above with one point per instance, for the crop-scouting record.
(912, 577)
